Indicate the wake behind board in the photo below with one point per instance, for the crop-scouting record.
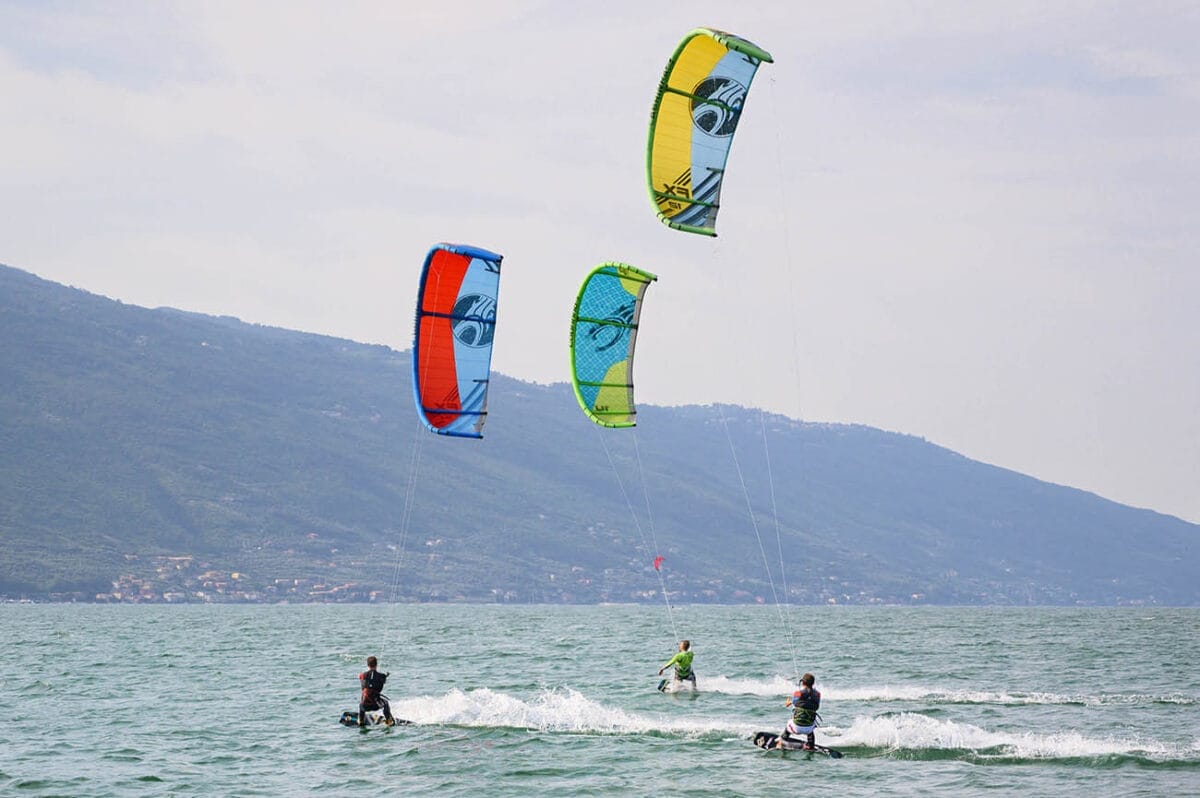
(677, 686)
(374, 718)
(767, 740)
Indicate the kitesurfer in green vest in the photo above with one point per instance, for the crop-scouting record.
(683, 664)
(804, 703)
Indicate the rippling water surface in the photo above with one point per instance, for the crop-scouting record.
(540, 700)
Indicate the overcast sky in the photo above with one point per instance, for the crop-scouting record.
(975, 223)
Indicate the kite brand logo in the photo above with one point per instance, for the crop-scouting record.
(717, 104)
(679, 187)
(474, 320)
(608, 335)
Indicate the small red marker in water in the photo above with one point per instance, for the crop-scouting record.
(657, 562)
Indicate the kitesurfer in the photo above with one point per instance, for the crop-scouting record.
(683, 664)
(804, 703)
(372, 681)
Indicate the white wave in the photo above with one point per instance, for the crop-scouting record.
(781, 686)
(912, 731)
(965, 696)
(775, 686)
(551, 710)
(567, 710)
(937, 695)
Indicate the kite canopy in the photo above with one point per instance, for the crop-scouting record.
(696, 112)
(603, 333)
(452, 343)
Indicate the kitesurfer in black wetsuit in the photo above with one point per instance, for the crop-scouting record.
(372, 681)
(804, 703)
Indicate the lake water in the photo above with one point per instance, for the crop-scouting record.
(552, 700)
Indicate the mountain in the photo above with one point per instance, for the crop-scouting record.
(191, 457)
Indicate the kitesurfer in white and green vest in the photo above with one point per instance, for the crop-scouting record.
(683, 664)
(804, 703)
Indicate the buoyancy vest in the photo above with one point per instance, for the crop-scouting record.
(683, 664)
(805, 703)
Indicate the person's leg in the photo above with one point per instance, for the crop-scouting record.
(785, 736)
(362, 714)
(387, 710)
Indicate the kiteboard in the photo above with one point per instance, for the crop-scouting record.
(374, 718)
(767, 740)
(677, 686)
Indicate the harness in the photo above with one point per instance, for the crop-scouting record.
(805, 703)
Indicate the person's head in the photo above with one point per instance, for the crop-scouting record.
(372, 662)
(684, 645)
(808, 680)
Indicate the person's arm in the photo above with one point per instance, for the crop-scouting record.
(670, 662)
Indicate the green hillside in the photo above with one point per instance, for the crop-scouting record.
(201, 458)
